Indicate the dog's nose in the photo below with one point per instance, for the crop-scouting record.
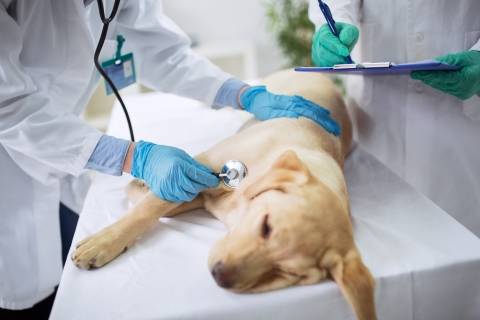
(222, 276)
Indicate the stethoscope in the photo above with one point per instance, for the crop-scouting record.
(233, 172)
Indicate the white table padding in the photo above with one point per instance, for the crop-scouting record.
(426, 265)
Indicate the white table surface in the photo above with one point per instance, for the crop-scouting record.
(426, 265)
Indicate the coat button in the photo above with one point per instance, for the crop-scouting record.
(419, 36)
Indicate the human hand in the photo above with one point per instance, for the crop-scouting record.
(328, 50)
(265, 105)
(171, 173)
(463, 83)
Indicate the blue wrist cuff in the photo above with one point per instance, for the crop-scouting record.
(109, 155)
(228, 94)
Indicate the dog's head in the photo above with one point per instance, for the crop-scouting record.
(295, 230)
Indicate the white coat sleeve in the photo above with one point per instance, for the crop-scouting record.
(342, 10)
(40, 139)
(163, 56)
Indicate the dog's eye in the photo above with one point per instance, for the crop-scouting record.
(266, 228)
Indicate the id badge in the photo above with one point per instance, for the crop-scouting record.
(121, 71)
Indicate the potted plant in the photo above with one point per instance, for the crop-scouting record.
(288, 21)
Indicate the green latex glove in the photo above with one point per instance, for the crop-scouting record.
(463, 83)
(328, 50)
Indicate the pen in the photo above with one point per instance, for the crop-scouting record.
(331, 23)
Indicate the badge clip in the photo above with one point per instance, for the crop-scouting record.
(120, 69)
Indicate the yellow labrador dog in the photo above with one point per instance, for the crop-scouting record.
(288, 222)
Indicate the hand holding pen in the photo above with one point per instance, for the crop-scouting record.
(334, 41)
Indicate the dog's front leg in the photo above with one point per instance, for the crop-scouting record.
(104, 246)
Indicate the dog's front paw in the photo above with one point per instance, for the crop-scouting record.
(101, 248)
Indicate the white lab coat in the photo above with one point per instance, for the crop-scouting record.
(429, 138)
(46, 78)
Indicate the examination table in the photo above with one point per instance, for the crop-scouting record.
(426, 265)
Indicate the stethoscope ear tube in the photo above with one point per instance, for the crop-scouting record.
(101, 41)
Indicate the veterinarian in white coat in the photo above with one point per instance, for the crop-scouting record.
(427, 136)
(47, 76)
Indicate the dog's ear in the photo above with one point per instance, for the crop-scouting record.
(290, 161)
(356, 284)
(287, 171)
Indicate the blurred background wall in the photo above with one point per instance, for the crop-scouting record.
(223, 23)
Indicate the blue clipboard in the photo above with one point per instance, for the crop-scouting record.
(381, 68)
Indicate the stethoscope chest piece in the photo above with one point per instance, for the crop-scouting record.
(233, 173)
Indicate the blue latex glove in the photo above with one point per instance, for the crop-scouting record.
(265, 105)
(171, 173)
